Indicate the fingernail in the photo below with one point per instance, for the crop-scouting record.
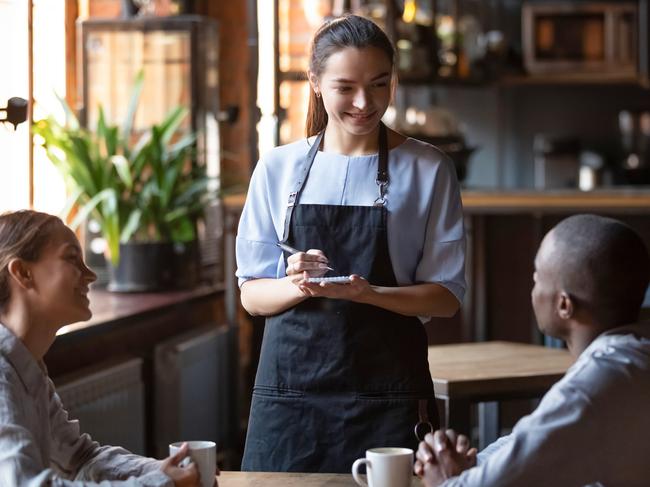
(440, 444)
(323, 266)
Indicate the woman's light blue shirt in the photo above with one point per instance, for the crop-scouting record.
(426, 238)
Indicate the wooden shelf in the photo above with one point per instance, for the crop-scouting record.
(607, 200)
(568, 79)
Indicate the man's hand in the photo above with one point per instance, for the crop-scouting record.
(443, 455)
(181, 476)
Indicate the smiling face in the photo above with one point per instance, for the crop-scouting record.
(356, 89)
(60, 280)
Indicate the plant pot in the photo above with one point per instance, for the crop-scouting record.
(155, 266)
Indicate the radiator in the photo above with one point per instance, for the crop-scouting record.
(108, 401)
(193, 389)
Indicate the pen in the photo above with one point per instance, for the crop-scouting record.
(291, 250)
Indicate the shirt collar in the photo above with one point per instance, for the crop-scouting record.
(640, 329)
(27, 368)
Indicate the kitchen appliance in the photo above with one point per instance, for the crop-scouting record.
(557, 161)
(437, 126)
(634, 165)
(582, 38)
(455, 147)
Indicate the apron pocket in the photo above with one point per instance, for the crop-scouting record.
(277, 392)
(274, 438)
(391, 396)
(386, 419)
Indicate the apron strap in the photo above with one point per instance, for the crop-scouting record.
(382, 166)
(303, 172)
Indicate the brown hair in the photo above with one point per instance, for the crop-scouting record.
(23, 234)
(332, 36)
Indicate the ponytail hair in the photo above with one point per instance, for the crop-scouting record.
(334, 35)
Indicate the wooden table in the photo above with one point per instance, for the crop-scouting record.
(489, 372)
(268, 479)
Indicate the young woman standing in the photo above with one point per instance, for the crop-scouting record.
(344, 367)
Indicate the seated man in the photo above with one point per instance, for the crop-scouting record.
(593, 427)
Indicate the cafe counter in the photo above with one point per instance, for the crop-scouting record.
(504, 230)
(614, 200)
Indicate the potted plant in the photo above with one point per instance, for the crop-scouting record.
(146, 196)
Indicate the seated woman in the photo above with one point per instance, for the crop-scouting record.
(44, 286)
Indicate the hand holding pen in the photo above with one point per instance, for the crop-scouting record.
(313, 261)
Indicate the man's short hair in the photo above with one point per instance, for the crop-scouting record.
(603, 264)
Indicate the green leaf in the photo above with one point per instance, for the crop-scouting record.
(88, 207)
(71, 119)
(131, 226)
(171, 123)
(121, 165)
(195, 191)
(183, 231)
(185, 144)
(127, 126)
(70, 202)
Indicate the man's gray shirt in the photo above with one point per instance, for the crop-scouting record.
(39, 445)
(592, 428)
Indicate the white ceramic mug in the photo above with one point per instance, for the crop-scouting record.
(204, 454)
(385, 467)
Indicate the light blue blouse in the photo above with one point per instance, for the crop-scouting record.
(426, 238)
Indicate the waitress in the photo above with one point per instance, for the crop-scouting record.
(343, 367)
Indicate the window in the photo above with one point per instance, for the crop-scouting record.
(14, 158)
(48, 68)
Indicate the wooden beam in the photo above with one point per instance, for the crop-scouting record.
(71, 15)
(30, 97)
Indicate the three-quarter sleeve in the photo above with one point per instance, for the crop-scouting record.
(257, 253)
(75, 460)
(76, 455)
(443, 252)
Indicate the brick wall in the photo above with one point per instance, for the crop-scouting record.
(234, 80)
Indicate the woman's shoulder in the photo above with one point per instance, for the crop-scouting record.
(416, 147)
(287, 154)
(420, 152)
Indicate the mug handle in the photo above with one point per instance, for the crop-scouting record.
(355, 470)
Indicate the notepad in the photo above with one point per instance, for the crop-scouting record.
(336, 280)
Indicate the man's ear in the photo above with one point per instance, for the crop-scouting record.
(564, 306)
(20, 273)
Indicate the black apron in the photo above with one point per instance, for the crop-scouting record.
(336, 377)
